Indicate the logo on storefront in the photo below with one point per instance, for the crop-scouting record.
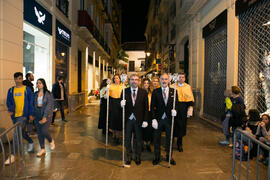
(40, 16)
(63, 33)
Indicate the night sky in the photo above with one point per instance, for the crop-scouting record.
(134, 19)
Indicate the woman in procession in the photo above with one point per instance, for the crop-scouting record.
(148, 131)
(115, 111)
(43, 110)
(103, 107)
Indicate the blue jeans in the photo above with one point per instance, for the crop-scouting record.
(42, 129)
(24, 133)
(225, 126)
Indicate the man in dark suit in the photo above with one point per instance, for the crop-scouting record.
(162, 112)
(136, 106)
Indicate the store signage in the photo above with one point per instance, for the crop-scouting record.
(243, 5)
(215, 24)
(37, 15)
(63, 34)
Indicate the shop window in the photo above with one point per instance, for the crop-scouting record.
(36, 53)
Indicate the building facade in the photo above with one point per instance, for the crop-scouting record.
(219, 44)
(78, 40)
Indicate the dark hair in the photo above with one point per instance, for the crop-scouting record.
(28, 75)
(146, 79)
(182, 73)
(115, 76)
(17, 74)
(60, 78)
(254, 115)
(103, 84)
(236, 90)
(267, 126)
(45, 89)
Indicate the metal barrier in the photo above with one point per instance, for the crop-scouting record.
(244, 136)
(76, 101)
(16, 149)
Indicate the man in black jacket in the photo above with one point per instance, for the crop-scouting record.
(162, 112)
(29, 77)
(59, 95)
(136, 106)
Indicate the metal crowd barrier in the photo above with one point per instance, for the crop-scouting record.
(8, 148)
(243, 136)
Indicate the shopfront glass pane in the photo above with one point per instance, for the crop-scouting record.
(36, 54)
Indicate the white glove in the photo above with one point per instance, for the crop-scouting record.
(174, 113)
(123, 103)
(154, 124)
(190, 112)
(144, 124)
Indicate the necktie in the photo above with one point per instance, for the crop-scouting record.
(164, 96)
(134, 97)
(134, 94)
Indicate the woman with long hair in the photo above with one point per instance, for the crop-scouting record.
(103, 107)
(148, 131)
(115, 111)
(43, 107)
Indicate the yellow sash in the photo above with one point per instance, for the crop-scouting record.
(184, 93)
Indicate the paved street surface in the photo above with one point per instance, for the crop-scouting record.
(80, 153)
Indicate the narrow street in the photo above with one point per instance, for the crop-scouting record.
(81, 154)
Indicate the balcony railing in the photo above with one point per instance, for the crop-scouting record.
(85, 20)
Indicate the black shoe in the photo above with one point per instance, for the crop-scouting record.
(180, 148)
(148, 148)
(156, 161)
(138, 160)
(64, 120)
(173, 162)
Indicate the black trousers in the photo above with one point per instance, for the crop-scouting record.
(133, 126)
(60, 105)
(163, 124)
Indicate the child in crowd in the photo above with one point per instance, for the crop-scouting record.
(228, 114)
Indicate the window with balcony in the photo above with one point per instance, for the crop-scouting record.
(63, 5)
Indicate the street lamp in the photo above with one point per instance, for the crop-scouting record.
(148, 53)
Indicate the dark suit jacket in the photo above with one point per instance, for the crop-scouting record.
(158, 106)
(141, 105)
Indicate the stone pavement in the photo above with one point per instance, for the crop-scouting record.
(80, 153)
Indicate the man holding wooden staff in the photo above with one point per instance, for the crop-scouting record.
(136, 107)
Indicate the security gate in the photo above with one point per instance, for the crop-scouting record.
(215, 73)
(254, 56)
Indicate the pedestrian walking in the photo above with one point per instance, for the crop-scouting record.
(184, 109)
(136, 108)
(20, 108)
(162, 113)
(29, 77)
(43, 106)
(59, 95)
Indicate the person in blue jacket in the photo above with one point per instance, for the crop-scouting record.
(20, 108)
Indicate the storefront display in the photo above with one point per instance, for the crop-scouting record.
(37, 31)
